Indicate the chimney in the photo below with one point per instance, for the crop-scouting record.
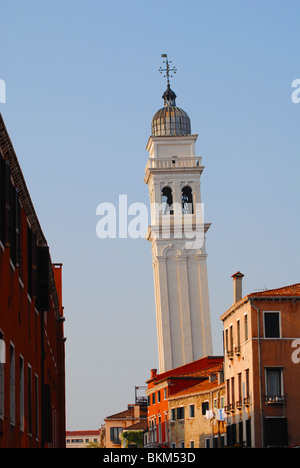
(153, 373)
(136, 411)
(237, 286)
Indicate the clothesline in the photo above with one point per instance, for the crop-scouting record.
(216, 413)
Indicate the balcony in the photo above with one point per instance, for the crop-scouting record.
(239, 404)
(247, 401)
(230, 408)
(275, 399)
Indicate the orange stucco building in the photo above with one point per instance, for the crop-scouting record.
(262, 367)
(32, 364)
(162, 387)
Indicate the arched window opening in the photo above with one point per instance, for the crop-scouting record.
(187, 200)
(167, 201)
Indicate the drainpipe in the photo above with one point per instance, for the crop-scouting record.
(260, 374)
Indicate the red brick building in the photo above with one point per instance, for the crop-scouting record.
(32, 374)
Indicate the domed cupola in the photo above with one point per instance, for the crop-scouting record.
(170, 120)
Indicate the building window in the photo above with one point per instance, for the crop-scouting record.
(12, 384)
(231, 340)
(182, 444)
(272, 324)
(205, 407)
(192, 411)
(152, 428)
(76, 441)
(241, 433)
(274, 385)
(231, 435)
(165, 393)
(173, 414)
(232, 392)
(180, 412)
(246, 327)
(153, 398)
(226, 340)
(228, 391)
(21, 377)
(207, 443)
(248, 433)
(36, 393)
(115, 433)
(29, 395)
(2, 362)
(247, 387)
(159, 430)
(275, 432)
(240, 395)
(158, 396)
(238, 331)
(192, 444)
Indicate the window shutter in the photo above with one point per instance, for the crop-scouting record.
(46, 416)
(43, 278)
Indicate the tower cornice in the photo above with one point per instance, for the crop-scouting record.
(166, 139)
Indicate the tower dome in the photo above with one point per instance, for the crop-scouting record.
(170, 120)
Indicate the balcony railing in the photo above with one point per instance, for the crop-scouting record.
(247, 401)
(230, 408)
(275, 399)
(173, 162)
(239, 404)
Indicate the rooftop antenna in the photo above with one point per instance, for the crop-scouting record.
(167, 70)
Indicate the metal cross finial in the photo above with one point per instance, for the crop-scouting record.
(167, 69)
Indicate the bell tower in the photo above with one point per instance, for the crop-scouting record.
(177, 236)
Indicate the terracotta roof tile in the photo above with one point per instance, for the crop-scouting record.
(195, 389)
(87, 433)
(188, 370)
(292, 290)
(203, 372)
(129, 413)
(140, 426)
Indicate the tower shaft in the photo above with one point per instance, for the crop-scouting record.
(177, 235)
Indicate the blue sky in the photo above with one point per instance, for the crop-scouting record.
(82, 86)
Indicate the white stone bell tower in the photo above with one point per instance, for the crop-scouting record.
(177, 234)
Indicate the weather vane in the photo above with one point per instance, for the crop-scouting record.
(167, 69)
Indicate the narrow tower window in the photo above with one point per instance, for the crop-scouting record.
(187, 200)
(167, 201)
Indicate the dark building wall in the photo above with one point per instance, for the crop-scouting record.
(32, 378)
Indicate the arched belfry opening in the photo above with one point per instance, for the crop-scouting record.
(187, 200)
(167, 200)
